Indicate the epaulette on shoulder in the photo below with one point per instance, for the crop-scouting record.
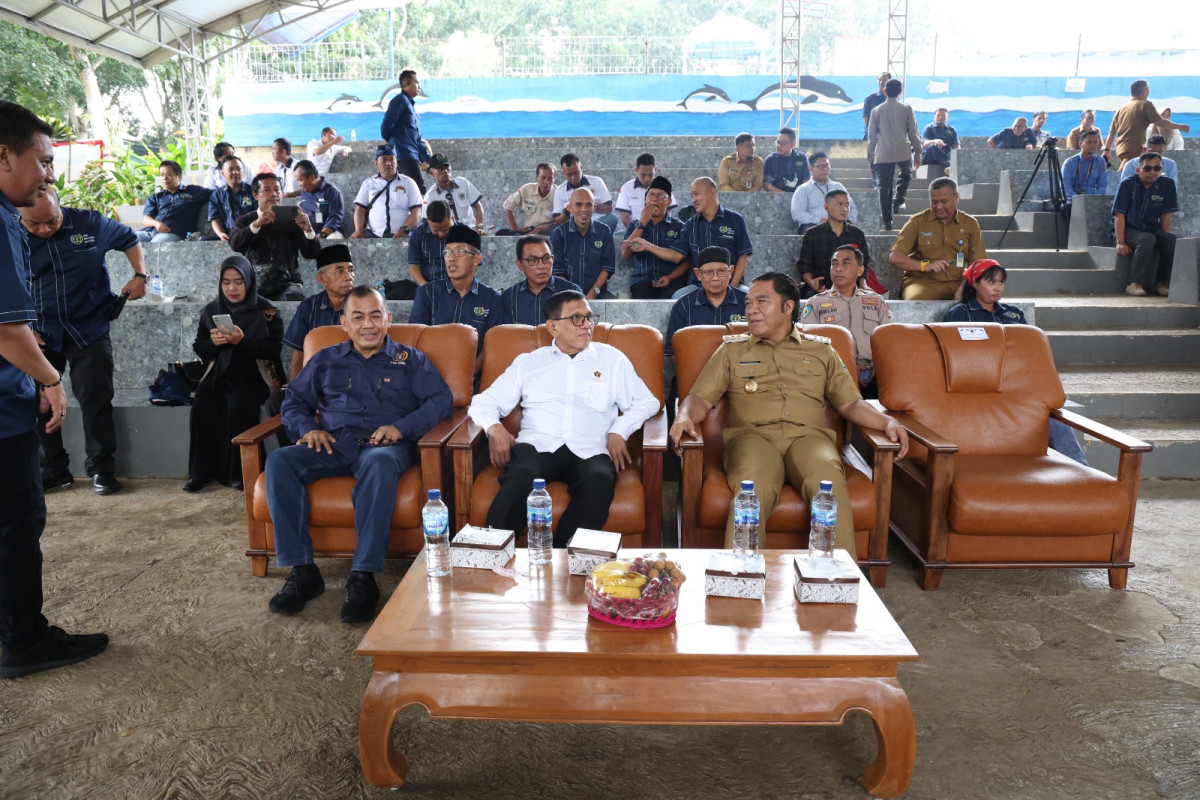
(730, 338)
(812, 337)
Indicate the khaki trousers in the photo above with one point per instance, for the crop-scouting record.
(803, 461)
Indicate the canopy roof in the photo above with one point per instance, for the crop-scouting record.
(147, 32)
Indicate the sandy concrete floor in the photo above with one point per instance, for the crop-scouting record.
(1030, 685)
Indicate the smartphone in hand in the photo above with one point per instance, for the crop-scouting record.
(223, 321)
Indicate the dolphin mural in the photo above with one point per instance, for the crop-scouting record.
(709, 93)
(815, 86)
(343, 97)
(395, 87)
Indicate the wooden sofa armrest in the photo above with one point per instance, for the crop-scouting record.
(691, 479)
(1098, 430)
(654, 432)
(926, 436)
(654, 447)
(468, 449)
(465, 436)
(440, 434)
(260, 432)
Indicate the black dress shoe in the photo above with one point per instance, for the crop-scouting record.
(362, 595)
(887, 226)
(105, 484)
(303, 584)
(50, 482)
(194, 485)
(56, 648)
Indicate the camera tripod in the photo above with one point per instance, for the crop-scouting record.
(1048, 154)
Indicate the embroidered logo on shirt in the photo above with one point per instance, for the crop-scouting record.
(672, 234)
(270, 313)
(725, 230)
(401, 356)
(83, 238)
(596, 376)
(480, 311)
(826, 318)
(736, 318)
(870, 301)
(806, 313)
(599, 243)
(826, 305)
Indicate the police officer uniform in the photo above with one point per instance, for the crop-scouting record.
(958, 241)
(775, 426)
(860, 313)
(351, 397)
(73, 296)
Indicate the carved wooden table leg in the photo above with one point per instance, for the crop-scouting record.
(896, 731)
(382, 764)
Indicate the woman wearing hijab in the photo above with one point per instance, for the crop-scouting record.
(983, 285)
(242, 368)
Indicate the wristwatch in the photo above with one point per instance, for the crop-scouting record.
(641, 226)
(141, 275)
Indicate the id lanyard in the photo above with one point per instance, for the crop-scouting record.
(960, 259)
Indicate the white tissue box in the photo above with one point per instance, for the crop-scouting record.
(731, 575)
(482, 548)
(589, 549)
(826, 580)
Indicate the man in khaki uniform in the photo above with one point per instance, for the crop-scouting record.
(935, 246)
(858, 310)
(777, 380)
(1129, 124)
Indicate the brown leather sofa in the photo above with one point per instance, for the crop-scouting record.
(636, 511)
(705, 494)
(979, 489)
(331, 525)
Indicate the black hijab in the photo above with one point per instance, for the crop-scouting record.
(248, 314)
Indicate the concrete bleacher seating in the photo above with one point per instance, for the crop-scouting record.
(1049, 286)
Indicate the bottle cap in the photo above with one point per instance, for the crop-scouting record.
(539, 484)
(826, 486)
(435, 494)
(747, 486)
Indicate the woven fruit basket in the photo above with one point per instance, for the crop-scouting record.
(638, 593)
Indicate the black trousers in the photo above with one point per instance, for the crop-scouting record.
(413, 170)
(221, 410)
(591, 482)
(889, 183)
(22, 518)
(646, 291)
(91, 370)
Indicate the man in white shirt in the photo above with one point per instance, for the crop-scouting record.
(573, 178)
(808, 201)
(388, 205)
(569, 392)
(285, 167)
(459, 193)
(632, 197)
(321, 152)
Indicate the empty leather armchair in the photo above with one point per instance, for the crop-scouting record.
(636, 511)
(451, 348)
(705, 495)
(979, 488)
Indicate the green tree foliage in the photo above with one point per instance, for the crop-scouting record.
(43, 74)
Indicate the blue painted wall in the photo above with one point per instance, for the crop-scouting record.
(654, 105)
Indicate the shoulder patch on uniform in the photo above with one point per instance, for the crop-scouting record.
(812, 337)
(807, 312)
(730, 338)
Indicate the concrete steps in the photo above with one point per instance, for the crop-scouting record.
(1134, 392)
(1111, 312)
(1162, 346)
(1176, 447)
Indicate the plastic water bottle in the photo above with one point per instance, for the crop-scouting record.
(539, 516)
(353, 135)
(746, 511)
(156, 286)
(435, 518)
(824, 522)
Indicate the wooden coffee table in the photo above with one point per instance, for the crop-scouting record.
(477, 645)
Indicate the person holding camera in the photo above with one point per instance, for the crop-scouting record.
(273, 238)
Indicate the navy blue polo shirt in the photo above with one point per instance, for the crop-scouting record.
(971, 311)
(934, 154)
(425, 249)
(180, 210)
(334, 207)
(727, 229)
(669, 233)
(314, 311)
(1008, 140)
(520, 305)
(1143, 206)
(438, 302)
(69, 278)
(227, 206)
(786, 172)
(581, 257)
(694, 308)
(350, 394)
(18, 396)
